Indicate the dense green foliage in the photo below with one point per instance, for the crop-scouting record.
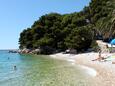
(58, 32)
(102, 15)
(75, 30)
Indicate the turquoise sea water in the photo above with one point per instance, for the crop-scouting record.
(33, 70)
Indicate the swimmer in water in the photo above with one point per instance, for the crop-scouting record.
(15, 68)
(8, 58)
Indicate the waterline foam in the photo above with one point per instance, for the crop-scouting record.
(89, 70)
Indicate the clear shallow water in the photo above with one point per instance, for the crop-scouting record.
(39, 71)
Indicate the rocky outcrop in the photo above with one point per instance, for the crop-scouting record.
(43, 50)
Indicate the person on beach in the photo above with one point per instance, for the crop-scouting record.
(113, 62)
(99, 56)
(108, 49)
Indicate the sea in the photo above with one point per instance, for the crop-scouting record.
(39, 70)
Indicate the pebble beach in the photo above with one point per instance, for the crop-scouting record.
(103, 71)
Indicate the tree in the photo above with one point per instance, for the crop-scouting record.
(80, 38)
(75, 30)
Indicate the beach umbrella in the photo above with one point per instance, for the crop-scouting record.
(112, 42)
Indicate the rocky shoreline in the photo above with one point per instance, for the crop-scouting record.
(43, 50)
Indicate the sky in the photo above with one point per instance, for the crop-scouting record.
(17, 15)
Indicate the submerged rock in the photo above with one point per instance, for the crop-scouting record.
(13, 51)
